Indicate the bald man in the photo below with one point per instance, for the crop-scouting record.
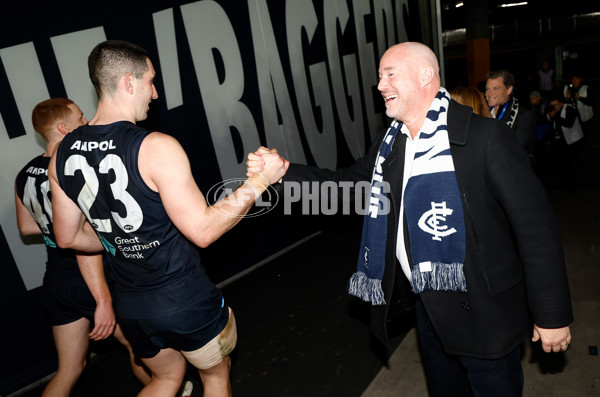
(455, 207)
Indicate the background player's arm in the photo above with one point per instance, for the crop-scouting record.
(71, 229)
(165, 168)
(92, 270)
(25, 222)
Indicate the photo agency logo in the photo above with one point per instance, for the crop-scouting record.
(305, 198)
(332, 198)
(217, 194)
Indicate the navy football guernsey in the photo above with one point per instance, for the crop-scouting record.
(156, 271)
(33, 188)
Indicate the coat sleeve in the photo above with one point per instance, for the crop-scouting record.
(525, 130)
(535, 228)
(360, 170)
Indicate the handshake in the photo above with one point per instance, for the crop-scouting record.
(268, 164)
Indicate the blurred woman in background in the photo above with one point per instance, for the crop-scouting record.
(472, 97)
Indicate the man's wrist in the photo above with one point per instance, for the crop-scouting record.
(257, 183)
(264, 177)
(104, 302)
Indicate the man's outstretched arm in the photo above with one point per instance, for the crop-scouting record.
(165, 168)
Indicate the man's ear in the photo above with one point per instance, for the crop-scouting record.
(62, 128)
(426, 76)
(509, 90)
(128, 81)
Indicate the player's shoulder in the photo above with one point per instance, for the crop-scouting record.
(157, 142)
(160, 138)
(39, 162)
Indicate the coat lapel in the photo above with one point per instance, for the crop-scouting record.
(459, 119)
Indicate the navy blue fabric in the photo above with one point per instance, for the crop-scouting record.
(188, 330)
(366, 282)
(65, 303)
(460, 376)
(32, 185)
(155, 269)
(433, 207)
(66, 296)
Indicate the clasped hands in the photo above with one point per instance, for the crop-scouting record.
(268, 162)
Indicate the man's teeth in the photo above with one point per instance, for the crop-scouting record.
(387, 98)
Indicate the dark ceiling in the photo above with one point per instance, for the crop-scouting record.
(454, 18)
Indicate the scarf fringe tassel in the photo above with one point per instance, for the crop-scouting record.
(442, 277)
(365, 288)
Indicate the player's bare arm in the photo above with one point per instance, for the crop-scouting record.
(165, 168)
(92, 270)
(25, 222)
(71, 229)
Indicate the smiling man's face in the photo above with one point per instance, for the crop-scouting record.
(496, 92)
(398, 80)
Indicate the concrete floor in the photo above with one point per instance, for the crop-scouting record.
(576, 372)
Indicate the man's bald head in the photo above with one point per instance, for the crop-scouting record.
(409, 80)
(418, 54)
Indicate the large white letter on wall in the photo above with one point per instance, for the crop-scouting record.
(301, 14)
(72, 51)
(208, 27)
(384, 18)
(29, 88)
(166, 43)
(399, 6)
(335, 11)
(273, 89)
(368, 66)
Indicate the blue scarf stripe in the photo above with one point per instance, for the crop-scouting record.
(433, 116)
(425, 135)
(442, 153)
(433, 208)
(366, 282)
(445, 152)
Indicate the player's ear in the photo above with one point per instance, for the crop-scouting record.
(128, 81)
(62, 128)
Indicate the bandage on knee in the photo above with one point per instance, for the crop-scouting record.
(217, 348)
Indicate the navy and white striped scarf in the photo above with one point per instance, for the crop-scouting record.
(433, 208)
(366, 282)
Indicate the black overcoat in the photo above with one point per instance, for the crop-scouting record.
(514, 264)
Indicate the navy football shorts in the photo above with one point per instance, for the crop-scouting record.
(187, 330)
(65, 303)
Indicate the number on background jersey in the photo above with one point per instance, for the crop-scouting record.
(31, 202)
